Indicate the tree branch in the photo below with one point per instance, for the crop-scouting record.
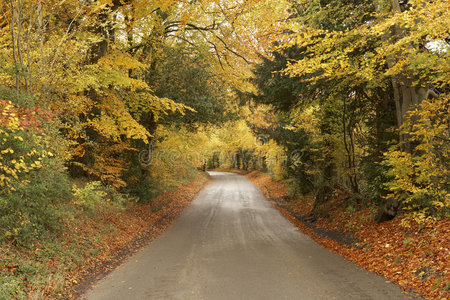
(231, 50)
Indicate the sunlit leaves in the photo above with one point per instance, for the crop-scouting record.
(360, 52)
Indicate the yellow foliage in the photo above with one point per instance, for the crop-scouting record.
(15, 164)
(420, 178)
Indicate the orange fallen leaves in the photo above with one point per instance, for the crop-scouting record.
(414, 259)
(99, 243)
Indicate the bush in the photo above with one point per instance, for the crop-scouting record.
(419, 169)
(95, 195)
(90, 196)
(16, 98)
(35, 208)
(10, 288)
(33, 180)
(146, 188)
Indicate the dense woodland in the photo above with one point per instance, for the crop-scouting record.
(112, 102)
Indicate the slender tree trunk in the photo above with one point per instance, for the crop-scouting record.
(350, 149)
(28, 43)
(41, 38)
(13, 40)
(19, 33)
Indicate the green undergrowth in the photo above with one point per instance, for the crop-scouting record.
(55, 221)
(48, 262)
(37, 264)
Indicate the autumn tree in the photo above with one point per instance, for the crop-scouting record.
(363, 72)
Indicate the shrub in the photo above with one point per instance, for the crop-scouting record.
(10, 288)
(95, 195)
(90, 196)
(33, 181)
(420, 175)
(17, 98)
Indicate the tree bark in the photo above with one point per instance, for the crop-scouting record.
(13, 41)
(406, 95)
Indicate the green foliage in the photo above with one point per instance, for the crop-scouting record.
(33, 185)
(94, 196)
(379, 138)
(287, 124)
(10, 288)
(16, 98)
(34, 209)
(144, 188)
(90, 196)
(274, 88)
(187, 78)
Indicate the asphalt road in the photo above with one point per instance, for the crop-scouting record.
(231, 244)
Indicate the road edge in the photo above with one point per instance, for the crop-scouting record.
(156, 229)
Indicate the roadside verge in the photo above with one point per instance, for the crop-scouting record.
(415, 258)
(138, 227)
(90, 243)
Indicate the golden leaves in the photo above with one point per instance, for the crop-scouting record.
(419, 177)
(362, 52)
(15, 125)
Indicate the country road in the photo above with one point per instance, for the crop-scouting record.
(231, 244)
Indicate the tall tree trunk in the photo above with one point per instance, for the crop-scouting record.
(13, 40)
(406, 95)
(350, 149)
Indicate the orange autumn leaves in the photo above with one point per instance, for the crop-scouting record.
(415, 258)
(17, 125)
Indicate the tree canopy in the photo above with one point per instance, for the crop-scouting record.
(349, 95)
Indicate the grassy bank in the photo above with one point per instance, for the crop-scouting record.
(416, 258)
(90, 241)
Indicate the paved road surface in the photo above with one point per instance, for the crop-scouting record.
(230, 244)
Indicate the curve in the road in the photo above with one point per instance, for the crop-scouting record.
(231, 244)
